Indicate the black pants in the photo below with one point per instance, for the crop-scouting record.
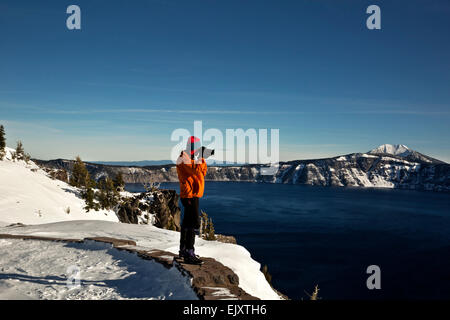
(191, 222)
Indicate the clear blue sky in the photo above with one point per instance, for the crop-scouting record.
(137, 70)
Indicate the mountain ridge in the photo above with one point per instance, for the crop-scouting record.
(400, 150)
(413, 171)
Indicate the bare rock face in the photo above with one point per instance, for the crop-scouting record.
(168, 213)
(158, 207)
(128, 211)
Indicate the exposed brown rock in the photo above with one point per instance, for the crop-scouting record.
(161, 203)
(168, 213)
(115, 242)
(59, 174)
(128, 211)
(28, 237)
(212, 276)
(226, 239)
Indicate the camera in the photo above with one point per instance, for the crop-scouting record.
(204, 152)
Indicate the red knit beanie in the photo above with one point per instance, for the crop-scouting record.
(193, 144)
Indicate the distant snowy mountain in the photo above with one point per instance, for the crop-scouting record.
(396, 150)
(403, 151)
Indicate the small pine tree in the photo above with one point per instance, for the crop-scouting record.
(267, 275)
(27, 157)
(2, 142)
(111, 192)
(118, 181)
(211, 235)
(203, 225)
(80, 176)
(315, 295)
(108, 196)
(20, 152)
(101, 195)
(207, 231)
(89, 196)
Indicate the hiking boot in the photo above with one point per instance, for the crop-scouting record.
(183, 253)
(192, 258)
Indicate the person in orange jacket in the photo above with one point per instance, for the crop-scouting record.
(191, 170)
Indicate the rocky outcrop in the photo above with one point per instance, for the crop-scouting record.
(159, 208)
(214, 281)
(166, 209)
(57, 173)
(226, 239)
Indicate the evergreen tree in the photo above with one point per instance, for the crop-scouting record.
(2, 142)
(80, 176)
(204, 225)
(211, 235)
(111, 192)
(108, 196)
(118, 181)
(20, 152)
(89, 198)
(207, 231)
(265, 271)
(101, 196)
(89, 195)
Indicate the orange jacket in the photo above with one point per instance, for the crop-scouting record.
(191, 175)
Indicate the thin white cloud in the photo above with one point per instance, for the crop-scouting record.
(360, 107)
(27, 126)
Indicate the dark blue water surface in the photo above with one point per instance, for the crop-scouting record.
(329, 236)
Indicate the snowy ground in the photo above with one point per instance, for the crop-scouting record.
(104, 273)
(28, 195)
(148, 237)
(32, 269)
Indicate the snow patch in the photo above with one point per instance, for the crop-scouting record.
(105, 273)
(396, 150)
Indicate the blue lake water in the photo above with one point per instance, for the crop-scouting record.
(329, 236)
